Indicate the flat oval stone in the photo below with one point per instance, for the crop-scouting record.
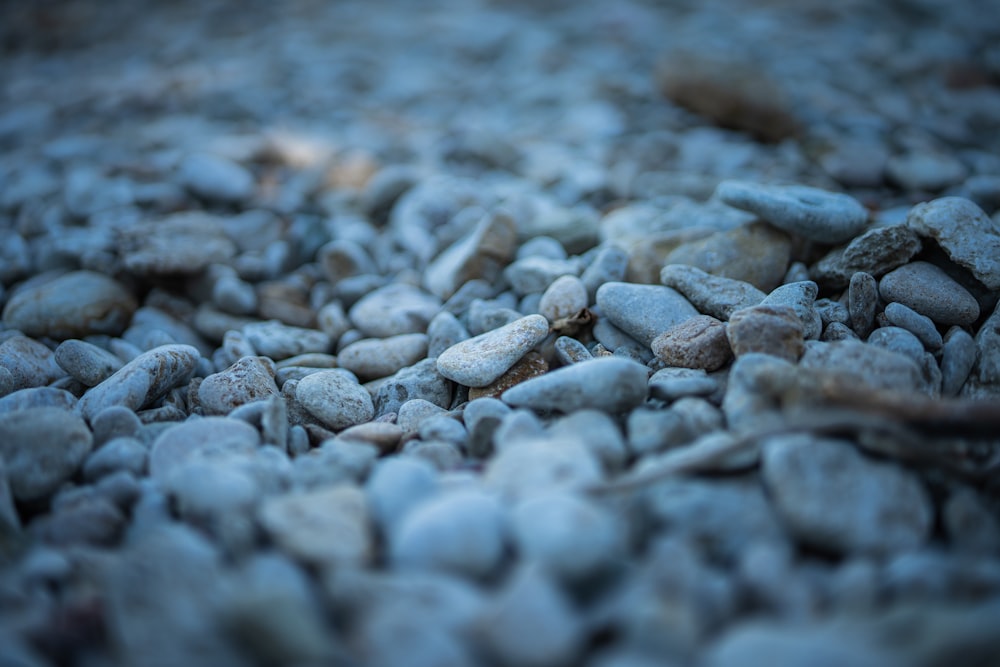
(143, 380)
(335, 399)
(930, 291)
(815, 214)
(699, 342)
(610, 384)
(41, 448)
(919, 325)
(88, 364)
(394, 309)
(37, 397)
(28, 362)
(279, 341)
(206, 438)
(643, 311)
(478, 361)
(215, 177)
(76, 304)
(372, 358)
(324, 527)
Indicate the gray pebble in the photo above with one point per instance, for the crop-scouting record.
(118, 454)
(571, 351)
(37, 397)
(143, 380)
(774, 330)
(611, 337)
(643, 311)
(73, 305)
(395, 309)
(486, 316)
(208, 438)
(862, 303)
(444, 331)
(987, 368)
(480, 254)
(215, 177)
(442, 427)
(421, 380)
(334, 399)
(482, 416)
(535, 274)
(332, 320)
(30, 363)
(460, 532)
(235, 296)
(598, 432)
(478, 361)
(969, 523)
(248, 380)
(930, 291)
(609, 384)
(800, 296)
(712, 295)
(89, 364)
(832, 497)
(181, 244)
(41, 449)
(672, 383)
(969, 237)
(757, 253)
(397, 485)
(565, 297)
(927, 171)
(838, 331)
(325, 527)
(517, 426)
(115, 421)
(897, 339)
(958, 356)
(773, 644)
(812, 213)
(609, 265)
(876, 252)
(699, 342)
(379, 357)
(541, 246)
(919, 325)
(530, 466)
(832, 311)
(413, 412)
(756, 383)
(279, 341)
(868, 365)
(343, 258)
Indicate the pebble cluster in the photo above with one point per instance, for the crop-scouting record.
(451, 334)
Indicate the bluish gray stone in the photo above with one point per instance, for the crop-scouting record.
(969, 237)
(335, 399)
(930, 291)
(919, 325)
(372, 358)
(215, 177)
(862, 303)
(958, 356)
(712, 295)
(608, 384)
(800, 296)
(88, 364)
(478, 361)
(42, 448)
(395, 309)
(898, 340)
(643, 311)
(420, 380)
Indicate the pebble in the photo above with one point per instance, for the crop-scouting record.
(571, 351)
(527, 465)
(343, 258)
(671, 383)
(215, 177)
(867, 365)
(898, 340)
(930, 291)
(801, 296)
(182, 244)
(565, 297)
(809, 212)
(205, 439)
(876, 252)
(325, 527)
(248, 380)
(37, 397)
(919, 325)
(420, 380)
(969, 523)
(987, 368)
(140, 382)
(89, 364)
(115, 421)
(958, 356)
(699, 342)
(75, 304)
(379, 357)
(756, 253)
(535, 274)
(279, 341)
(968, 236)
(530, 365)
(925, 171)
(609, 384)
(116, 455)
(42, 448)
(643, 311)
(776, 330)
(460, 532)
(30, 363)
(481, 254)
(413, 412)
(832, 497)
(479, 361)
(598, 432)
(772, 644)
(444, 331)
(395, 309)
(862, 303)
(396, 486)
(608, 265)
(482, 416)
(712, 295)
(335, 399)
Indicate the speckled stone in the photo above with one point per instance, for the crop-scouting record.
(143, 380)
(643, 311)
(28, 362)
(279, 341)
(571, 351)
(41, 448)
(249, 379)
(969, 236)
(699, 342)
(930, 291)
(336, 400)
(862, 303)
(876, 252)
(712, 295)
(774, 330)
(812, 213)
(609, 384)
(372, 358)
(75, 304)
(565, 297)
(479, 361)
(88, 364)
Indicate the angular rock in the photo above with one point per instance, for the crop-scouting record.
(699, 342)
(969, 237)
(876, 252)
(248, 380)
(713, 295)
(774, 330)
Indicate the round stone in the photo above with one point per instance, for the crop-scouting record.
(700, 342)
(479, 361)
(565, 297)
(249, 379)
(215, 177)
(335, 399)
(643, 311)
(41, 448)
(610, 384)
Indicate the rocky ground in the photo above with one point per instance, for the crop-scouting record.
(499, 333)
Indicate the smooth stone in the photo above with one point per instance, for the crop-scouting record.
(775, 330)
(699, 342)
(651, 431)
(119, 454)
(814, 214)
(480, 254)
(422, 380)
(479, 361)
(42, 448)
(862, 303)
(332, 320)
(868, 366)
(248, 380)
(461, 532)
(37, 397)
(335, 399)
(235, 296)
(343, 258)
(643, 311)
(379, 357)
(75, 304)
(831, 497)
(115, 421)
(444, 331)
(958, 356)
(757, 643)
(856, 163)
(564, 298)
(215, 177)
(672, 383)
(756, 385)
(413, 412)
(396, 486)
(925, 171)
(530, 464)
(88, 364)
(280, 341)
(930, 291)
(535, 274)
(542, 246)
(987, 368)
(968, 236)
(143, 380)
(898, 340)
(530, 365)
(30, 363)
(182, 244)
(712, 295)
(611, 337)
(205, 439)
(482, 417)
(608, 384)
(395, 309)
(571, 351)
(919, 325)
(876, 252)
(800, 296)
(383, 435)
(756, 253)
(324, 527)
(608, 265)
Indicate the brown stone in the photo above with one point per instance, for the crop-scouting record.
(531, 365)
(699, 342)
